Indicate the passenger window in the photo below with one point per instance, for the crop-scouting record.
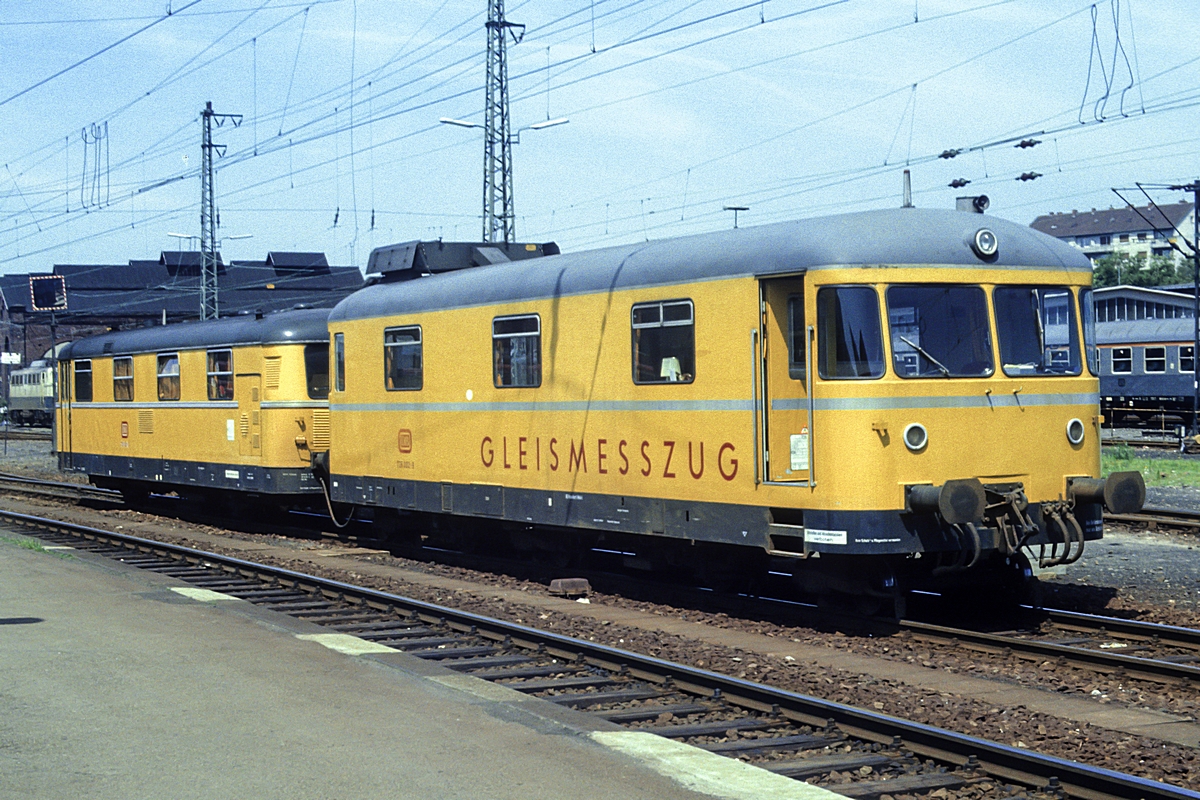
(168, 376)
(402, 365)
(1122, 360)
(1187, 359)
(339, 360)
(939, 331)
(123, 379)
(850, 339)
(1156, 359)
(797, 355)
(316, 371)
(664, 342)
(83, 381)
(220, 374)
(517, 351)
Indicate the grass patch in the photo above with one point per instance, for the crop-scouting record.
(1162, 471)
(28, 544)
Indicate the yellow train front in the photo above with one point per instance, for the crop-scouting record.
(871, 401)
(224, 409)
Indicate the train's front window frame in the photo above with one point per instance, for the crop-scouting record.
(1087, 312)
(1039, 334)
(939, 331)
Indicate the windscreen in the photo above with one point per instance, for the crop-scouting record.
(939, 331)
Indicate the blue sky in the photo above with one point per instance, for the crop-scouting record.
(677, 108)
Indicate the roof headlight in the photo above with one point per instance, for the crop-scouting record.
(985, 244)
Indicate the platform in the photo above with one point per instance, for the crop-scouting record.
(117, 685)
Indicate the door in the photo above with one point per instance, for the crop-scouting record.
(247, 390)
(785, 358)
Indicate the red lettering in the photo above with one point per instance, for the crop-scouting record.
(624, 459)
(733, 462)
(601, 456)
(646, 458)
(554, 456)
(667, 467)
(577, 459)
(694, 473)
(486, 454)
(521, 453)
(506, 464)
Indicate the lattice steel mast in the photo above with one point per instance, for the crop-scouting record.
(498, 215)
(208, 214)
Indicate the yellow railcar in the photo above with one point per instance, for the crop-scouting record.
(231, 404)
(904, 397)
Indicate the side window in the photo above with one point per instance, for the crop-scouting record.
(664, 342)
(1087, 307)
(339, 360)
(168, 376)
(1187, 359)
(849, 339)
(402, 365)
(123, 378)
(1122, 360)
(797, 333)
(517, 351)
(316, 371)
(83, 381)
(1156, 359)
(220, 374)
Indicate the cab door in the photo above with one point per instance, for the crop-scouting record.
(787, 456)
(248, 393)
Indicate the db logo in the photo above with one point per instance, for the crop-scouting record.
(124, 430)
(404, 440)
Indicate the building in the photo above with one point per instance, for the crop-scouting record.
(75, 300)
(1138, 231)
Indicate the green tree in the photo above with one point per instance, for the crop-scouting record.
(1138, 270)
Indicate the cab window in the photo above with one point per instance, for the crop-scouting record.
(316, 371)
(123, 379)
(220, 374)
(664, 342)
(939, 331)
(83, 381)
(517, 351)
(402, 369)
(850, 339)
(339, 360)
(1037, 330)
(168, 376)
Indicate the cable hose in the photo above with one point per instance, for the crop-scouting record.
(329, 505)
(1079, 530)
(975, 540)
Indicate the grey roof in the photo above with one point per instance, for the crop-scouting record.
(295, 327)
(1157, 294)
(1145, 330)
(895, 236)
(1111, 220)
(307, 261)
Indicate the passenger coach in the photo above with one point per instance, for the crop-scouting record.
(231, 404)
(878, 400)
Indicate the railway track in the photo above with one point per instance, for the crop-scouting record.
(854, 752)
(59, 489)
(1154, 518)
(26, 435)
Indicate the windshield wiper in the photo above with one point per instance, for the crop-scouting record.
(924, 352)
